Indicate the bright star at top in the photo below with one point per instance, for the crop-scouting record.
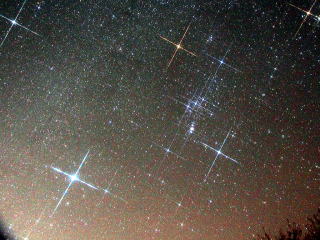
(308, 13)
(14, 22)
(178, 46)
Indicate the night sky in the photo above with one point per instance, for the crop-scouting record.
(162, 119)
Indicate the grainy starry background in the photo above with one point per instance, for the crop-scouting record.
(93, 76)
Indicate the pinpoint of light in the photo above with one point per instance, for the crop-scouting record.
(13, 22)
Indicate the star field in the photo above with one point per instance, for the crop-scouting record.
(158, 119)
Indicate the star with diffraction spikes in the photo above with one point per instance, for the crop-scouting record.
(73, 178)
(15, 23)
(307, 13)
(219, 152)
(178, 46)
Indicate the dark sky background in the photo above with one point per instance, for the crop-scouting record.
(96, 78)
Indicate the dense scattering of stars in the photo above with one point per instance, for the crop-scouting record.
(158, 119)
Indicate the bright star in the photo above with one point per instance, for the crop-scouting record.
(14, 23)
(308, 13)
(72, 178)
(219, 152)
(178, 46)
